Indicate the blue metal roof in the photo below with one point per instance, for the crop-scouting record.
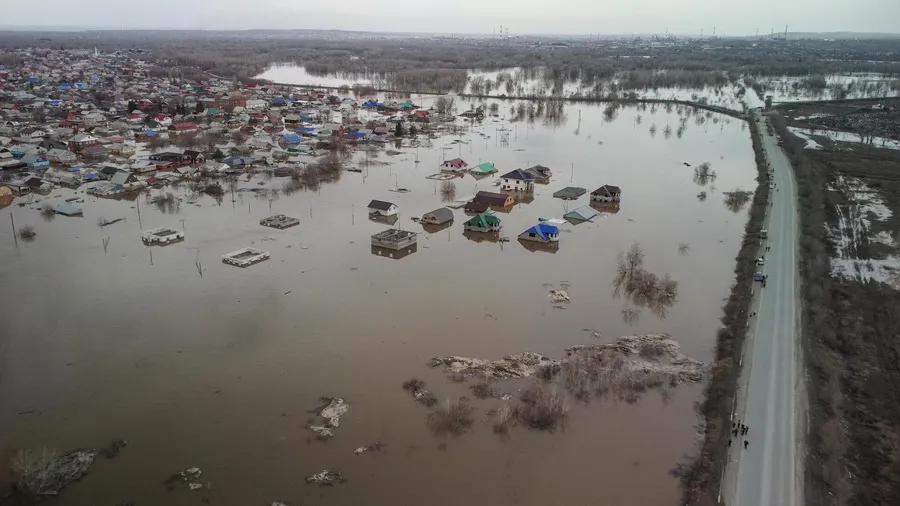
(543, 230)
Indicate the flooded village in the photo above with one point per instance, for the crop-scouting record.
(244, 292)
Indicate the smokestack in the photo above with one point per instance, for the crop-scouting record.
(785, 32)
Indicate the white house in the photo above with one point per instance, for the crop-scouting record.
(382, 208)
(255, 105)
(60, 156)
(517, 180)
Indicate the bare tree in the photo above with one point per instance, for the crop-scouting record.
(448, 191)
(38, 115)
(703, 174)
(445, 104)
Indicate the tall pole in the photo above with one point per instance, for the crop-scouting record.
(13, 222)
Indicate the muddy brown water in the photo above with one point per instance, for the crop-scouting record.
(220, 371)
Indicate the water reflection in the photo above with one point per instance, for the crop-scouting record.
(395, 254)
(736, 200)
(703, 174)
(631, 316)
(432, 229)
(380, 218)
(166, 203)
(481, 236)
(535, 247)
(642, 287)
(609, 208)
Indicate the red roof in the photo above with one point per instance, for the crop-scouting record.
(456, 162)
(160, 117)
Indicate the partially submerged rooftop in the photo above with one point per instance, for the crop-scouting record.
(569, 193)
(162, 235)
(279, 221)
(393, 238)
(245, 257)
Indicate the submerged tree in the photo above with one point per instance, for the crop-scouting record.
(448, 191)
(703, 174)
(735, 200)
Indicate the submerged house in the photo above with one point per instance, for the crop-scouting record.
(517, 180)
(483, 223)
(483, 169)
(476, 207)
(455, 165)
(542, 233)
(540, 173)
(569, 193)
(437, 217)
(606, 193)
(382, 208)
(494, 199)
(583, 213)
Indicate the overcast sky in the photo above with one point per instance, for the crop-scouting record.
(729, 17)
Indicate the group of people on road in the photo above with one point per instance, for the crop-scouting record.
(739, 428)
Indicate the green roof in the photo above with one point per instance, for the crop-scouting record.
(484, 220)
(486, 167)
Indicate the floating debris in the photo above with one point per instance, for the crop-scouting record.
(322, 433)
(45, 473)
(595, 334)
(331, 411)
(374, 447)
(557, 296)
(327, 478)
(628, 367)
(623, 369)
(519, 365)
(189, 477)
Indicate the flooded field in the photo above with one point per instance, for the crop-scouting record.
(518, 82)
(199, 363)
(830, 87)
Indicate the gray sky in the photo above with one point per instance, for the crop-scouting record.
(731, 17)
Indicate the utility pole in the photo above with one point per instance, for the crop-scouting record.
(13, 222)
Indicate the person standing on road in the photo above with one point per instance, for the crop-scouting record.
(746, 444)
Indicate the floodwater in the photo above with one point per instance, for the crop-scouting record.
(220, 370)
(783, 88)
(854, 85)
